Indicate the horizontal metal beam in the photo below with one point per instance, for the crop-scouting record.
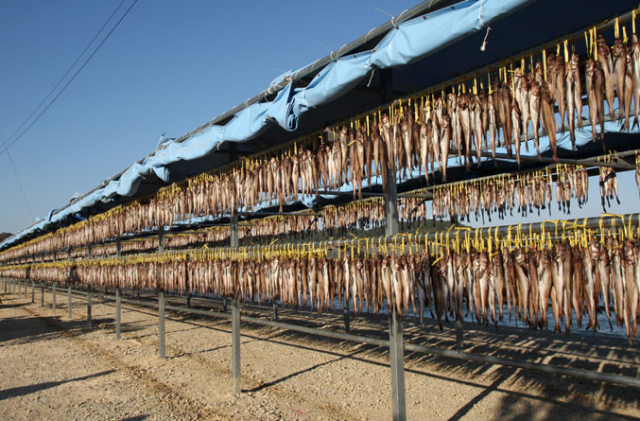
(261, 213)
(585, 162)
(318, 332)
(544, 368)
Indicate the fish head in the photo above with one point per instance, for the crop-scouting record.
(629, 252)
(603, 48)
(618, 48)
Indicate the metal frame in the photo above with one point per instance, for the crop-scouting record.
(577, 373)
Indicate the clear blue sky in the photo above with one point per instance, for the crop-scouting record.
(169, 67)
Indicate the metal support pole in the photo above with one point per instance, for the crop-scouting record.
(189, 300)
(53, 300)
(25, 289)
(118, 295)
(396, 348)
(33, 292)
(118, 311)
(160, 239)
(89, 306)
(41, 296)
(345, 313)
(235, 315)
(459, 340)
(69, 301)
(396, 343)
(161, 331)
(235, 346)
(275, 310)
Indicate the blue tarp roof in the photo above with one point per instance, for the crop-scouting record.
(422, 52)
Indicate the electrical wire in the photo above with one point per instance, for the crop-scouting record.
(6, 148)
(63, 76)
(13, 165)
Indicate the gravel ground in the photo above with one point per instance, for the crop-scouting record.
(52, 367)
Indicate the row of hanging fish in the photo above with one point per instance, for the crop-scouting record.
(524, 192)
(574, 280)
(502, 195)
(565, 281)
(467, 121)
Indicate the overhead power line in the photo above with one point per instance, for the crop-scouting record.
(15, 171)
(6, 145)
(26, 120)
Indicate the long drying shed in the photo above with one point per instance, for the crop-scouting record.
(315, 193)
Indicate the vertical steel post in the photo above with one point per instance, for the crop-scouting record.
(235, 346)
(188, 286)
(41, 296)
(89, 305)
(25, 289)
(459, 340)
(118, 312)
(69, 301)
(53, 300)
(161, 304)
(33, 292)
(118, 294)
(345, 313)
(396, 348)
(235, 318)
(396, 342)
(275, 310)
(160, 239)
(161, 322)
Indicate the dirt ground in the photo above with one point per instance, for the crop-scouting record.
(52, 367)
